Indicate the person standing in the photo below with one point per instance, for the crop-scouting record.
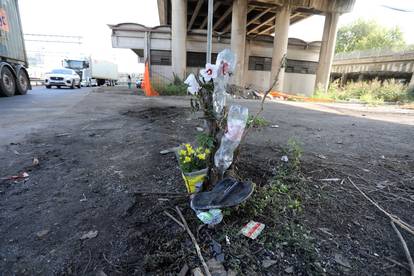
(129, 82)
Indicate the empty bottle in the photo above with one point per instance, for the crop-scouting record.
(236, 123)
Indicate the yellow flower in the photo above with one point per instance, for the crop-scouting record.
(201, 156)
(198, 150)
(187, 159)
(189, 149)
(207, 151)
(183, 152)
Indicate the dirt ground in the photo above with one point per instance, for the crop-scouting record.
(100, 170)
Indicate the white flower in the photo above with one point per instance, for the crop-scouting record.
(284, 159)
(209, 73)
(192, 83)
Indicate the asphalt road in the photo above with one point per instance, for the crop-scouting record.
(21, 115)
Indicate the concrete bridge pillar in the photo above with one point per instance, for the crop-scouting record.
(327, 51)
(238, 39)
(280, 44)
(179, 37)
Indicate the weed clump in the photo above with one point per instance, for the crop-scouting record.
(371, 92)
(256, 122)
(279, 205)
(176, 88)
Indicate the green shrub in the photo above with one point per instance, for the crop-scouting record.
(410, 93)
(371, 92)
(204, 140)
(176, 88)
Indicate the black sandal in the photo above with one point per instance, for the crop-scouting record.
(226, 193)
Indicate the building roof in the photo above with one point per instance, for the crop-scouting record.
(261, 14)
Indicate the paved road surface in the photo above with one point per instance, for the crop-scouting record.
(21, 115)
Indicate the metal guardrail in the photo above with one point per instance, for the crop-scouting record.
(160, 80)
(36, 81)
(372, 53)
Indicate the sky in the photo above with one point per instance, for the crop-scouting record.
(89, 19)
(311, 28)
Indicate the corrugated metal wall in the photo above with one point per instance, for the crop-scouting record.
(11, 37)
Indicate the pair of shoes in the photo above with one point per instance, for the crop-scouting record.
(226, 193)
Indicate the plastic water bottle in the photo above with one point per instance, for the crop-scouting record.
(236, 123)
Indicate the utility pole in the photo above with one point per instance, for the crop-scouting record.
(209, 29)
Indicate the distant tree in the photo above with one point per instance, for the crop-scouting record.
(364, 35)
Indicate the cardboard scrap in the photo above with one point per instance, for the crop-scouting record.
(252, 229)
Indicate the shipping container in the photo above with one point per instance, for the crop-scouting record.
(14, 78)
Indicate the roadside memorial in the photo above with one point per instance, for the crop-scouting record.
(204, 168)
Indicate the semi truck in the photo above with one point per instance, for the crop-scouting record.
(93, 71)
(14, 79)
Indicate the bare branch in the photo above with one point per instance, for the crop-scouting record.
(393, 218)
(275, 81)
(197, 247)
(406, 250)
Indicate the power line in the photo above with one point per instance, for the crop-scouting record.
(52, 35)
(55, 41)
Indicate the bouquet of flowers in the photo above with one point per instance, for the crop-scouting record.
(193, 159)
(209, 90)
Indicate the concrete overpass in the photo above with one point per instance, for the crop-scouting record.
(240, 21)
(367, 65)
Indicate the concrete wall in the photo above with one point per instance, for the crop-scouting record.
(299, 84)
(295, 83)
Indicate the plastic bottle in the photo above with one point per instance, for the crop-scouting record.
(236, 123)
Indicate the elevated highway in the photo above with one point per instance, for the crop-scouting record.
(367, 65)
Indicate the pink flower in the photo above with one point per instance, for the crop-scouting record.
(209, 73)
(226, 61)
(224, 68)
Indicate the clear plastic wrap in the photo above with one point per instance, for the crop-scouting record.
(236, 123)
(225, 65)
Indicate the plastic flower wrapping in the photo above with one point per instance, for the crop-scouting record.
(226, 62)
(225, 65)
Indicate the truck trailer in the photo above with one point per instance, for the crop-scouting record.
(14, 79)
(94, 71)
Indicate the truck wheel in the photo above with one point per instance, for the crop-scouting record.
(22, 82)
(7, 82)
(48, 86)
